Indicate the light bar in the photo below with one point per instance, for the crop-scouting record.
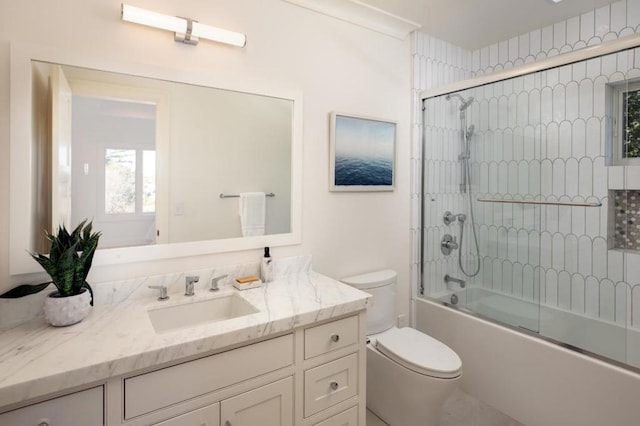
(186, 30)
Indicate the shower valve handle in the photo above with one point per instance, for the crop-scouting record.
(448, 244)
(449, 218)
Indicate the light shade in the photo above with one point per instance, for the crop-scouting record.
(218, 34)
(187, 30)
(153, 19)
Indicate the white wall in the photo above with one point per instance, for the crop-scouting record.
(337, 66)
(226, 142)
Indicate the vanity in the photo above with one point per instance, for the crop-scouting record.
(298, 359)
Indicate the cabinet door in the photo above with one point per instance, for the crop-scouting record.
(270, 405)
(206, 416)
(77, 409)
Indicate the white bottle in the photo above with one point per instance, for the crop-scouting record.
(266, 267)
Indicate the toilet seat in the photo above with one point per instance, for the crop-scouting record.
(419, 352)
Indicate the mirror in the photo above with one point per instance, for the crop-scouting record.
(157, 159)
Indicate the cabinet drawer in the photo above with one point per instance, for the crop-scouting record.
(330, 383)
(346, 418)
(206, 416)
(162, 388)
(331, 336)
(85, 408)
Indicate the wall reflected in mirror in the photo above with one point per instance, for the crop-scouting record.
(147, 159)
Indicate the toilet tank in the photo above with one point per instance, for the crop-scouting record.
(382, 307)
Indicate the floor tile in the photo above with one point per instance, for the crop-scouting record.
(462, 409)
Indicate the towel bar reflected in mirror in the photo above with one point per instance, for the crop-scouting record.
(223, 195)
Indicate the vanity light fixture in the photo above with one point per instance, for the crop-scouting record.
(186, 30)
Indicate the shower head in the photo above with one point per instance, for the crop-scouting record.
(465, 102)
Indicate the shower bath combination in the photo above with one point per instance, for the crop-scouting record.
(466, 132)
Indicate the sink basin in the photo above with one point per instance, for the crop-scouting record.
(200, 312)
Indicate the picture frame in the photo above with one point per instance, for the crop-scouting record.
(362, 153)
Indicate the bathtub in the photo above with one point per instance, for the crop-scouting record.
(597, 337)
(531, 369)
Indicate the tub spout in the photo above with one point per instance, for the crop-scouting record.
(449, 279)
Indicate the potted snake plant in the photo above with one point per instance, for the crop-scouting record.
(68, 264)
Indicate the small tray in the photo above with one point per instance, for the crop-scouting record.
(247, 286)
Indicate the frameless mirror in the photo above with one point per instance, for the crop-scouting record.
(157, 160)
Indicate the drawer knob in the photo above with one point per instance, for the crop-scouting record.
(333, 385)
(227, 423)
(44, 422)
(335, 337)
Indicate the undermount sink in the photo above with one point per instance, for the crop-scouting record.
(200, 312)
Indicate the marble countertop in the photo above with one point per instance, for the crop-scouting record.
(117, 339)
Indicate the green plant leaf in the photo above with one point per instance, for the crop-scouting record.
(70, 258)
(25, 290)
(88, 287)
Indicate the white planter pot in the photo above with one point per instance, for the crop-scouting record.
(63, 311)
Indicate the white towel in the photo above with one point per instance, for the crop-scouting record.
(252, 213)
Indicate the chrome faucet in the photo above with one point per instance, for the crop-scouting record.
(190, 281)
(449, 279)
(163, 291)
(214, 282)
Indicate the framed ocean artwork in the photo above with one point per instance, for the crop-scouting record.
(362, 153)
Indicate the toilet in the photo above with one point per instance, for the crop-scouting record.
(409, 374)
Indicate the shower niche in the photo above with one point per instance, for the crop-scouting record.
(624, 214)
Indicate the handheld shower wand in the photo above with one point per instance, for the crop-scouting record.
(465, 186)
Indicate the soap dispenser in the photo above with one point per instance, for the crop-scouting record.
(266, 266)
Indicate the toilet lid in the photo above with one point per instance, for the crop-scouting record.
(420, 353)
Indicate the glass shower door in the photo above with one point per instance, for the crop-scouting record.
(483, 157)
(553, 195)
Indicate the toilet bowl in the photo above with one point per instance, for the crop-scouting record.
(409, 374)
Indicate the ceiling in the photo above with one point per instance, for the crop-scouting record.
(472, 24)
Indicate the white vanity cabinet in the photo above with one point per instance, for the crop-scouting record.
(312, 375)
(84, 408)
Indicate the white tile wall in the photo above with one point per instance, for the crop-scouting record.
(537, 134)
(436, 63)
